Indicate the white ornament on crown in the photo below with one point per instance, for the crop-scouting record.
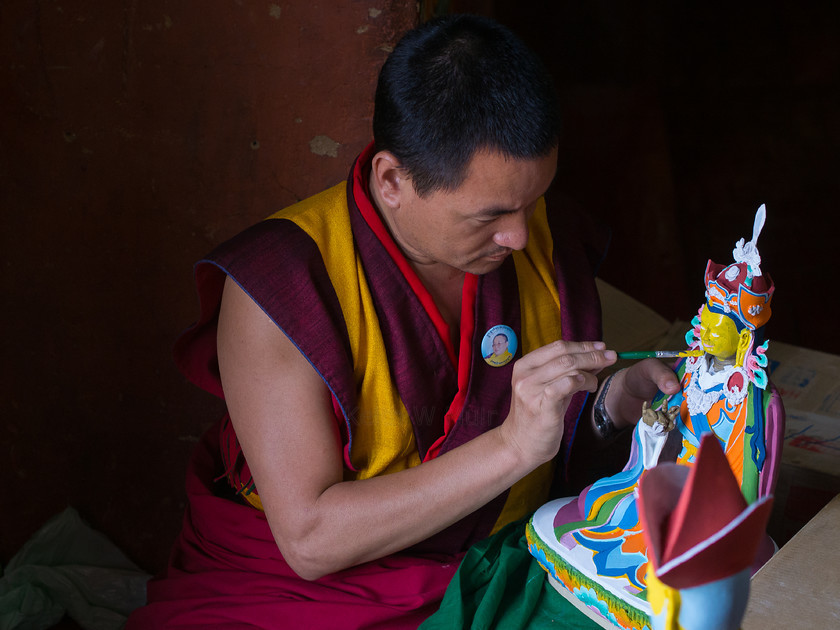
(748, 253)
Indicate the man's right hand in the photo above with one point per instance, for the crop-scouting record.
(543, 384)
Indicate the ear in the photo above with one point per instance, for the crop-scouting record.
(388, 179)
(744, 341)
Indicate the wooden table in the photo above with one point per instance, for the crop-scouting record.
(800, 586)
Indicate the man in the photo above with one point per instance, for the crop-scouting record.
(501, 354)
(353, 474)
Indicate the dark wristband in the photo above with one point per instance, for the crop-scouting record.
(606, 428)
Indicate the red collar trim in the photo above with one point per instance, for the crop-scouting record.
(364, 201)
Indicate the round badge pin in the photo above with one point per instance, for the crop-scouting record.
(498, 346)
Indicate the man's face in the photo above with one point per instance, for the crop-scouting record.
(500, 345)
(475, 227)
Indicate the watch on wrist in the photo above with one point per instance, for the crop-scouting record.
(603, 422)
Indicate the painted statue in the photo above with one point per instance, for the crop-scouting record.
(593, 545)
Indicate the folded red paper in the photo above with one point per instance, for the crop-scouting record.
(698, 524)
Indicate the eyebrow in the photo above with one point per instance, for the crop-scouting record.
(497, 211)
(493, 211)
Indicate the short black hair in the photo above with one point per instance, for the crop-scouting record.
(454, 86)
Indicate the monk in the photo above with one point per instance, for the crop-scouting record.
(367, 443)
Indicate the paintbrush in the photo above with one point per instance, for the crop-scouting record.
(660, 354)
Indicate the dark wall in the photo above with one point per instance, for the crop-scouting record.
(135, 136)
(681, 119)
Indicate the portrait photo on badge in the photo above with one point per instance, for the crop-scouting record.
(498, 346)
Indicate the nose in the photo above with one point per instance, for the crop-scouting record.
(513, 232)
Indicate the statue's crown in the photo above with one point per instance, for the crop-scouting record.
(741, 289)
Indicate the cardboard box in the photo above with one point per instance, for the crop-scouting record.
(629, 324)
(809, 476)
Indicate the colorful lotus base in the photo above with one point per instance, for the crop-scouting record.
(592, 595)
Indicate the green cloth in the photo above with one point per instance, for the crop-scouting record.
(500, 585)
(69, 568)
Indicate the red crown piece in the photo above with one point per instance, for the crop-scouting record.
(727, 291)
(696, 522)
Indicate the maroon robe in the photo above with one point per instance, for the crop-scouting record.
(225, 567)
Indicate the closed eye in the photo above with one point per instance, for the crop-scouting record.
(493, 214)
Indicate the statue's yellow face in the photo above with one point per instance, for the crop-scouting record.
(718, 334)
